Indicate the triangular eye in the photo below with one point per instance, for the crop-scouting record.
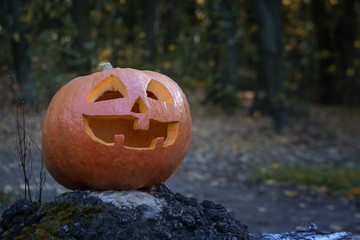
(139, 106)
(108, 95)
(157, 91)
(151, 95)
(110, 88)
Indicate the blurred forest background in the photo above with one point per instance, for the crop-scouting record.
(278, 53)
(274, 89)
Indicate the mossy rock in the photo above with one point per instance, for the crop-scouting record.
(82, 215)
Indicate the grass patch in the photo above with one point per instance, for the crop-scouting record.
(337, 181)
(6, 200)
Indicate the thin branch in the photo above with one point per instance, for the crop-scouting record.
(42, 176)
(23, 146)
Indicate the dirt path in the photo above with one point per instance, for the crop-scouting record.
(268, 210)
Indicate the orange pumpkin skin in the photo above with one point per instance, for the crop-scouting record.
(152, 134)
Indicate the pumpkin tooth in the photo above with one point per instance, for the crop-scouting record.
(157, 142)
(119, 139)
(122, 131)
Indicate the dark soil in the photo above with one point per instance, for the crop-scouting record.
(218, 167)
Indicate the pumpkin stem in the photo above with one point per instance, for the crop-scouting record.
(105, 66)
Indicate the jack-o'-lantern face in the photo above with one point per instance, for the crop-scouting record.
(104, 128)
(116, 129)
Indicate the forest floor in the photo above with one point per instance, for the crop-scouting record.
(225, 150)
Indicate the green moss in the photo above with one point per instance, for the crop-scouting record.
(6, 200)
(39, 234)
(5, 234)
(336, 180)
(56, 216)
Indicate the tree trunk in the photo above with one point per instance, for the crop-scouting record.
(270, 95)
(21, 60)
(338, 77)
(150, 31)
(326, 48)
(80, 13)
(224, 82)
(170, 23)
(349, 79)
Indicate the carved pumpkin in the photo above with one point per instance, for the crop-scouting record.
(116, 129)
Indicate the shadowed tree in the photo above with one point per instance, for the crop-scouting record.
(349, 73)
(150, 31)
(80, 14)
(225, 53)
(336, 33)
(19, 48)
(270, 96)
(169, 22)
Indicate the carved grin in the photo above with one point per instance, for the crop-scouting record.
(103, 129)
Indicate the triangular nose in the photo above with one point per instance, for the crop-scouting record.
(139, 106)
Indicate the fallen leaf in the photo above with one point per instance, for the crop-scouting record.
(234, 146)
(336, 227)
(274, 165)
(270, 182)
(262, 209)
(291, 194)
(322, 189)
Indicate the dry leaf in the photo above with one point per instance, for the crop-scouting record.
(336, 227)
(291, 194)
(262, 209)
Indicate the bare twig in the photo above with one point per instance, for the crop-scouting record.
(42, 177)
(22, 146)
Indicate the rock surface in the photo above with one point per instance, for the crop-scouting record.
(148, 214)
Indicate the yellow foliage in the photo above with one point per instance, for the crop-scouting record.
(270, 182)
(16, 36)
(331, 68)
(234, 146)
(274, 165)
(211, 62)
(94, 33)
(355, 190)
(254, 28)
(350, 72)
(47, 6)
(289, 47)
(200, 14)
(324, 53)
(105, 53)
(301, 31)
(54, 36)
(171, 47)
(96, 15)
(27, 17)
(142, 34)
(286, 2)
(291, 194)
(167, 65)
(108, 7)
(200, 2)
(357, 44)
